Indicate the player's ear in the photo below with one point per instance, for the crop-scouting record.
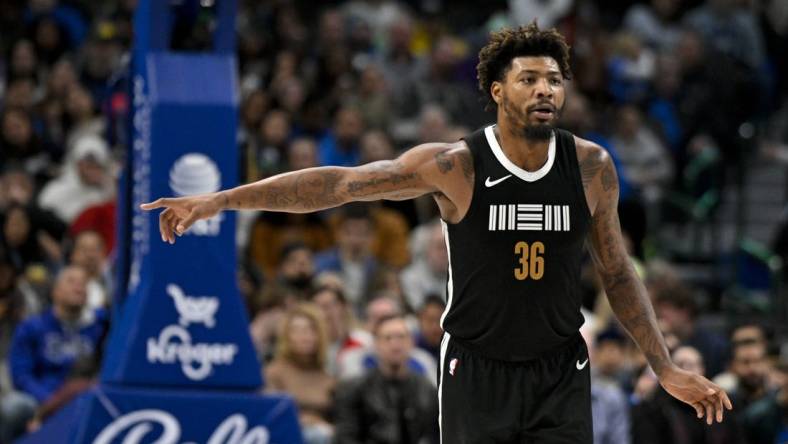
(496, 91)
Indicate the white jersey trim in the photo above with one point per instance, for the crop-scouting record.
(528, 176)
(450, 284)
(444, 347)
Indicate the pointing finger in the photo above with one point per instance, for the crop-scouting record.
(158, 203)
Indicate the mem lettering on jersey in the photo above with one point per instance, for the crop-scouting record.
(528, 217)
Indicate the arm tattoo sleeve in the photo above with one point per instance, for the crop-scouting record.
(315, 189)
(626, 293)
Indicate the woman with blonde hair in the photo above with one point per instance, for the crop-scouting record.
(298, 369)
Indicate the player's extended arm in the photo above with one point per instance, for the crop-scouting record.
(420, 170)
(629, 300)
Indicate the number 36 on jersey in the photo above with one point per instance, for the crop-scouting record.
(531, 262)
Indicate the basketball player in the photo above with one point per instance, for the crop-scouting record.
(518, 200)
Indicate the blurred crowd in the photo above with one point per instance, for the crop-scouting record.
(344, 305)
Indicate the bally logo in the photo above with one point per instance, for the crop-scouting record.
(528, 217)
(143, 425)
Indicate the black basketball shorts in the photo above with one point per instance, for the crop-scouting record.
(542, 401)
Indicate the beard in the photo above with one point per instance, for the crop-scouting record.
(752, 383)
(534, 132)
(538, 133)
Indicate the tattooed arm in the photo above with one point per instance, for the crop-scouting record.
(428, 168)
(627, 295)
(625, 291)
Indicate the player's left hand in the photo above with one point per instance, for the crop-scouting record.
(703, 395)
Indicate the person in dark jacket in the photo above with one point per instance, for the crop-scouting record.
(390, 404)
(664, 419)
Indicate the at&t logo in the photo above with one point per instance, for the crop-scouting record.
(196, 173)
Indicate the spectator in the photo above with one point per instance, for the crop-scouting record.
(289, 94)
(298, 369)
(301, 153)
(430, 333)
(678, 312)
(30, 236)
(743, 333)
(663, 106)
(663, 419)
(749, 366)
(357, 361)
(268, 309)
(62, 80)
(578, 118)
(630, 69)
(16, 187)
(609, 406)
(253, 108)
(436, 80)
(297, 269)
(12, 310)
(730, 29)
(45, 347)
(389, 404)
(82, 117)
(765, 420)
(434, 125)
(429, 271)
(265, 153)
(373, 98)
(610, 358)
(376, 145)
(343, 335)
(101, 59)
(655, 23)
(547, 13)
(340, 145)
(717, 94)
(85, 181)
(352, 258)
(272, 231)
(100, 218)
(19, 143)
(21, 95)
(90, 254)
(644, 158)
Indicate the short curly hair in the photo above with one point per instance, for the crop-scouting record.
(496, 57)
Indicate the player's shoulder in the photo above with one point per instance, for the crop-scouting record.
(443, 153)
(588, 151)
(448, 148)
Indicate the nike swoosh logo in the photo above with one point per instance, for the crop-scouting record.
(491, 183)
(581, 366)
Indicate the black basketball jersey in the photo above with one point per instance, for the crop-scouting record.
(514, 259)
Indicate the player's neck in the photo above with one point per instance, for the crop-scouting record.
(529, 155)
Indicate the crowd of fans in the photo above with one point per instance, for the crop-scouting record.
(344, 305)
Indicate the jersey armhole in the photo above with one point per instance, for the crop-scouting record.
(475, 161)
(575, 161)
